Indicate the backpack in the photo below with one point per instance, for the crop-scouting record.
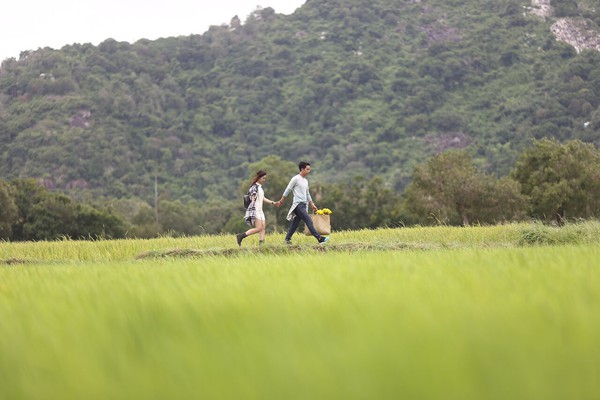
(247, 200)
(248, 197)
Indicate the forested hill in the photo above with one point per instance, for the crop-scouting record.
(357, 87)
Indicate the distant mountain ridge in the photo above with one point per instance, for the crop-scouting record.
(356, 87)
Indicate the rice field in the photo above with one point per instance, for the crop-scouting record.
(503, 312)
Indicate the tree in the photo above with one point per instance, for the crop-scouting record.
(44, 215)
(361, 204)
(562, 181)
(450, 190)
(51, 217)
(179, 218)
(27, 192)
(8, 211)
(94, 223)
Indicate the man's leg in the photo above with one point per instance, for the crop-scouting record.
(303, 214)
(293, 226)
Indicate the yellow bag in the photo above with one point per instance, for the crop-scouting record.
(322, 224)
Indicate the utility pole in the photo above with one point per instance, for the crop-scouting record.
(156, 203)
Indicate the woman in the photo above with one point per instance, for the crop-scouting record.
(254, 214)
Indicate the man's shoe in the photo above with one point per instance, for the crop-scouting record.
(239, 237)
(288, 242)
(323, 239)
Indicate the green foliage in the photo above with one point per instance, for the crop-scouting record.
(51, 217)
(361, 204)
(358, 88)
(334, 83)
(566, 8)
(448, 189)
(8, 211)
(562, 181)
(43, 215)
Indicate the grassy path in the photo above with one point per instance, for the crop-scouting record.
(417, 238)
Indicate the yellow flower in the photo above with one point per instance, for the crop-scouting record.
(324, 211)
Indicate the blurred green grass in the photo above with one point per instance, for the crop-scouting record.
(471, 322)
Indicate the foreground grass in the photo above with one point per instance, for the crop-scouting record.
(455, 322)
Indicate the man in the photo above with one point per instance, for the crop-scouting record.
(299, 211)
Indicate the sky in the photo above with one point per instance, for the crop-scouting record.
(31, 24)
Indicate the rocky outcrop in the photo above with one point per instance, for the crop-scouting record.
(541, 8)
(580, 33)
(81, 120)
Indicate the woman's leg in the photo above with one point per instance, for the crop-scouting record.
(254, 230)
(263, 232)
(259, 227)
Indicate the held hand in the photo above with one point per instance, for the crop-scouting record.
(314, 207)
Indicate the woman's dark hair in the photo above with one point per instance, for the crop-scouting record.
(258, 175)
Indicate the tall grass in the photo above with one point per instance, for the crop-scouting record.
(458, 323)
(511, 235)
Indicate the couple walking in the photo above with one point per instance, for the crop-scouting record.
(299, 211)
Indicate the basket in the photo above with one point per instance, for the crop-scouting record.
(322, 224)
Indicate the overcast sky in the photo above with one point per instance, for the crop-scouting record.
(31, 24)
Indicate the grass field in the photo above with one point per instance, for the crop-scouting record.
(419, 313)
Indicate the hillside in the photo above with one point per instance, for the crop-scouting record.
(357, 87)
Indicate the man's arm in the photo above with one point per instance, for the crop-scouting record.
(287, 191)
(310, 201)
(280, 202)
